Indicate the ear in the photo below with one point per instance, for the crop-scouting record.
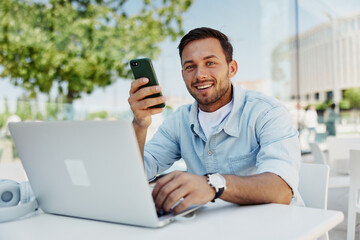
(233, 68)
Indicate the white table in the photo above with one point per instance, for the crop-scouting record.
(219, 220)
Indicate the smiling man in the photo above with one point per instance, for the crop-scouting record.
(207, 73)
(238, 145)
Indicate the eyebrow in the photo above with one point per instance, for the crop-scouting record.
(204, 58)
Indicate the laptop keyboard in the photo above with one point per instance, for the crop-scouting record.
(162, 213)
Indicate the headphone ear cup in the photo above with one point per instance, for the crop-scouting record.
(9, 193)
(13, 193)
(26, 192)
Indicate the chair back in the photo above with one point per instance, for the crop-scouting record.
(354, 201)
(339, 151)
(313, 184)
(319, 156)
(355, 169)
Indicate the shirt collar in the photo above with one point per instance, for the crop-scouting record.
(232, 124)
(194, 122)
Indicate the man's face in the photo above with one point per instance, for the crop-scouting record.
(206, 73)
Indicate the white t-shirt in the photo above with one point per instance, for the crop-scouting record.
(311, 118)
(209, 121)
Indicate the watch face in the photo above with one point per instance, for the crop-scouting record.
(217, 180)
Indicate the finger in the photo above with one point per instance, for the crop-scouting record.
(147, 91)
(188, 201)
(150, 102)
(137, 83)
(159, 184)
(143, 104)
(173, 198)
(138, 87)
(163, 188)
(143, 93)
(164, 193)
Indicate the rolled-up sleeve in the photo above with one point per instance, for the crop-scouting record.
(279, 146)
(163, 149)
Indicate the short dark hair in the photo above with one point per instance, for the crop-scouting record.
(204, 32)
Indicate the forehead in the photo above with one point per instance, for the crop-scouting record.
(198, 49)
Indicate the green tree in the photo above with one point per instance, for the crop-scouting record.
(97, 115)
(52, 110)
(353, 96)
(322, 106)
(4, 115)
(344, 104)
(24, 108)
(78, 45)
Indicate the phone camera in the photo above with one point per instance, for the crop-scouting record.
(134, 64)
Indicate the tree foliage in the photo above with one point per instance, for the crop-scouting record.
(97, 115)
(5, 114)
(78, 45)
(24, 109)
(353, 96)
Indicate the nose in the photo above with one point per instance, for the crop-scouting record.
(201, 73)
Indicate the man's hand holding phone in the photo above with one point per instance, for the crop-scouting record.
(145, 98)
(141, 103)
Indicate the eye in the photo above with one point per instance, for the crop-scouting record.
(210, 63)
(188, 67)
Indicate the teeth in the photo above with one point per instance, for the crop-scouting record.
(203, 87)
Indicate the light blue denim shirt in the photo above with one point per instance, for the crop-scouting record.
(256, 137)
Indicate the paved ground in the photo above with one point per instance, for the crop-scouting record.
(338, 200)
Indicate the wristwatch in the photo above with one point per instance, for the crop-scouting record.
(218, 182)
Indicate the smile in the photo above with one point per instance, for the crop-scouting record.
(204, 86)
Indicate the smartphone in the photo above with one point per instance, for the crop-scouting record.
(143, 67)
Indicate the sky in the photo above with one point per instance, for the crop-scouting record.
(254, 27)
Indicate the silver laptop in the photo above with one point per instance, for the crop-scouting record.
(88, 169)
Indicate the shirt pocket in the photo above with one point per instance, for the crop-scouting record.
(244, 165)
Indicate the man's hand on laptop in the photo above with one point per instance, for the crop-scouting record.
(177, 185)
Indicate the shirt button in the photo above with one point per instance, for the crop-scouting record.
(209, 153)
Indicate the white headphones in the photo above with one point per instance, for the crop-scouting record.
(16, 200)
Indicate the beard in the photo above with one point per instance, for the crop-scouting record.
(206, 99)
(220, 88)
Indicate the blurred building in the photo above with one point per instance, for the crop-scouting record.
(329, 60)
(259, 85)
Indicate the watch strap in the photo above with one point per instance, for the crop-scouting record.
(218, 194)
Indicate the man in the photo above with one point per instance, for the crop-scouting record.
(331, 120)
(238, 145)
(311, 122)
